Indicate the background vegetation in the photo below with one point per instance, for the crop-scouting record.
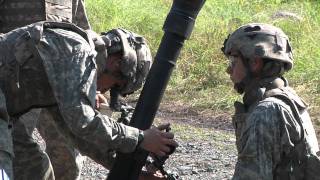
(199, 79)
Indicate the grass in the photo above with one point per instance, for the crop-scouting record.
(220, 139)
(199, 79)
(187, 132)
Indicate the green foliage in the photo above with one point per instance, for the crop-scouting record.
(200, 79)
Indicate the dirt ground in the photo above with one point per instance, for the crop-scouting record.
(208, 154)
(210, 157)
(206, 145)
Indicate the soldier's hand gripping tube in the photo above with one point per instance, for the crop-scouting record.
(177, 27)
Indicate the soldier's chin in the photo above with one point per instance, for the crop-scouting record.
(239, 87)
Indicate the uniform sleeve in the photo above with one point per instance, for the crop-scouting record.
(100, 131)
(270, 130)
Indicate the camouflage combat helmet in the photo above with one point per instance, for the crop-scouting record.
(262, 40)
(136, 57)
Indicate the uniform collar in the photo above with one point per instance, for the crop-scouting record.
(254, 91)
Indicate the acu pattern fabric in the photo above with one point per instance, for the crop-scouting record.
(68, 71)
(29, 162)
(18, 13)
(267, 133)
(63, 155)
(28, 155)
(79, 15)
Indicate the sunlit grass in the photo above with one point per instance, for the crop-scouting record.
(199, 79)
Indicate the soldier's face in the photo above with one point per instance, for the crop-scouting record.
(236, 69)
(112, 76)
(113, 63)
(106, 81)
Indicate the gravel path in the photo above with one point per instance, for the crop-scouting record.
(206, 145)
(209, 154)
(192, 160)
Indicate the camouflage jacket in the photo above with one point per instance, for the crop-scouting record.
(18, 13)
(52, 65)
(266, 133)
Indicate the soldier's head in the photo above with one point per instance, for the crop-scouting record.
(257, 51)
(123, 59)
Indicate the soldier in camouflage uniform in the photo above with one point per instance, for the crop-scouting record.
(272, 121)
(26, 12)
(61, 153)
(55, 66)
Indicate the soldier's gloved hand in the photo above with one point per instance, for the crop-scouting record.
(157, 141)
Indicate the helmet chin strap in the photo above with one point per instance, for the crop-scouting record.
(249, 86)
(239, 87)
